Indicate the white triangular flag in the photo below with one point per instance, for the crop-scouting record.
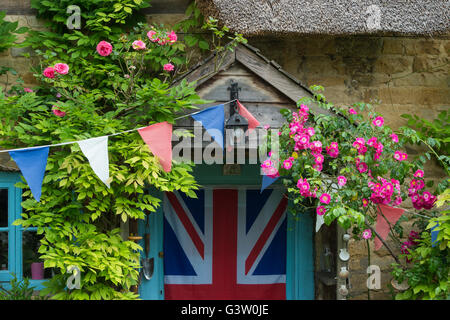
(319, 222)
(96, 151)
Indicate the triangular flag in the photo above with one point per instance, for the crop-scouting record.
(434, 235)
(212, 120)
(382, 227)
(96, 151)
(267, 181)
(32, 163)
(252, 122)
(319, 222)
(158, 138)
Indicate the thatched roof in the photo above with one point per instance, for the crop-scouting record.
(331, 17)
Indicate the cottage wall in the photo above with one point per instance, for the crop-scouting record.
(405, 74)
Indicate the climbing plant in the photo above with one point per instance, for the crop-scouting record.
(112, 74)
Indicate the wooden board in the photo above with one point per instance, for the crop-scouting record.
(278, 78)
(251, 89)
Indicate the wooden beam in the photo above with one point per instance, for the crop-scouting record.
(276, 78)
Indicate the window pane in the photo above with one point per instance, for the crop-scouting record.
(32, 266)
(3, 250)
(3, 208)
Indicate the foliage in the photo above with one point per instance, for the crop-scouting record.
(78, 215)
(8, 31)
(98, 92)
(428, 272)
(20, 290)
(435, 133)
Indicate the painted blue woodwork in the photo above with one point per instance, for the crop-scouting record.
(299, 260)
(15, 256)
(153, 289)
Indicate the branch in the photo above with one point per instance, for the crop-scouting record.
(382, 241)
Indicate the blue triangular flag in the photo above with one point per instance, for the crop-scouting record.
(434, 235)
(212, 119)
(32, 163)
(267, 181)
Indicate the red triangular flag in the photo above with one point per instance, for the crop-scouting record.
(252, 122)
(158, 137)
(382, 228)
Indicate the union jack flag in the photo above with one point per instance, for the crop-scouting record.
(226, 244)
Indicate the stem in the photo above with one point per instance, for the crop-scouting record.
(382, 241)
(368, 262)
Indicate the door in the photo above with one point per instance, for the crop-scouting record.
(226, 244)
(249, 256)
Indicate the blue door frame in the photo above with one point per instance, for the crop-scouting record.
(300, 256)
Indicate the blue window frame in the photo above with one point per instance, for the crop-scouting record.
(17, 244)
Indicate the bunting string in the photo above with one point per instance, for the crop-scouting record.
(109, 135)
(32, 161)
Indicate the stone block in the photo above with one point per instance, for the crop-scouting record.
(393, 46)
(391, 64)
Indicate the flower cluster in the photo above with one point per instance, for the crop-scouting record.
(400, 156)
(385, 192)
(425, 200)
(105, 48)
(361, 146)
(411, 242)
(269, 168)
(59, 68)
(170, 37)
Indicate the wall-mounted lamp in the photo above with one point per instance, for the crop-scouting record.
(237, 123)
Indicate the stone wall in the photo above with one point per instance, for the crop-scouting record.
(406, 75)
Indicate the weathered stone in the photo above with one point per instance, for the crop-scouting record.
(392, 64)
(393, 46)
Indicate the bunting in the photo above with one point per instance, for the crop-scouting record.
(32, 164)
(96, 151)
(382, 227)
(434, 235)
(252, 122)
(213, 120)
(267, 181)
(158, 138)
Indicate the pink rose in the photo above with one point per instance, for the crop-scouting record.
(49, 72)
(378, 122)
(172, 37)
(325, 198)
(367, 234)
(419, 173)
(27, 90)
(168, 67)
(287, 164)
(61, 68)
(362, 167)
(320, 210)
(365, 202)
(352, 111)
(58, 112)
(104, 48)
(342, 180)
(394, 137)
(138, 45)
(151, 36)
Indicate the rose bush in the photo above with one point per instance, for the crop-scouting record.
(343, 165)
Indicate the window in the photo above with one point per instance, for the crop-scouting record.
(18, 247)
